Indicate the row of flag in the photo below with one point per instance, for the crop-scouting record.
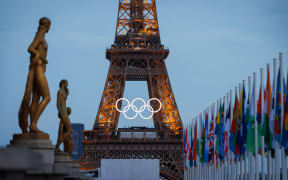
(237, 125)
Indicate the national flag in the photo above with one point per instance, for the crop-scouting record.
(195, 142)
(242, 121)
(233, 132)
(186, 148)
(220, 132)
(203, 138)
(277, 122)
(227, 129)
(285, 119)
(192, 146)
(211, 142)
(267, 133)
(251, 126)
(198, 149)
(204, 142)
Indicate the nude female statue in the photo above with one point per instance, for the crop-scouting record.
(36, 82)
(65, 130)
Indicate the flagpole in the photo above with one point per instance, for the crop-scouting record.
(184, 132)
(255, 130)
(229, 152)
(276, 158)
(197, 149)
(216, 159)
(210, 163)
(235, 158)
(277, 145)
(223, 124)
(207, 139)
(195, 161)
(283, 159)
(245, 153)
(205, 174)
(250, 161)
(199, 155)
(227, 155)
(240, 163)
(189, 149)
(219, 162)
(269, 152)
(262, 123)
(214, 140)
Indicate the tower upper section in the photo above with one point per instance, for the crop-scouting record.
(137, 23)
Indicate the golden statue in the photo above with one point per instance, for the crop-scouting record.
(36, 82)
(65, 130)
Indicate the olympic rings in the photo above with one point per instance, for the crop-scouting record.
(136, 110)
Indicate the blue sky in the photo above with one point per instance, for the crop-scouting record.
(213, 45)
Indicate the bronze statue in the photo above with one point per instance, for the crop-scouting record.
(65, 130)
(36, 82)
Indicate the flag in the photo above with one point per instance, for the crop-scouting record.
(227, 129)
(242, 121)
(278, 109)
(192, 144)
(204, 142)
(251, 125)
(233, 132)
(195, 142)
(267, 133)
(198, 149)
(220, 132)
(211, 142)
(285, 120)
(186, 147)
(202, 147)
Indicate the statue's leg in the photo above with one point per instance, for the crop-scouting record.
(60, 136)
(68, 128)
(33, 108)
(43, 89)
(25, 105)
(68, 145)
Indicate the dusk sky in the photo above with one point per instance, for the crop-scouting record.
(214, 45)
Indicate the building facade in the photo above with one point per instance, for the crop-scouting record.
(77, 139)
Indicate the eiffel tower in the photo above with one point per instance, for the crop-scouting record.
(137, 55)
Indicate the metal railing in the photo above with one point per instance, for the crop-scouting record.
(94, 136)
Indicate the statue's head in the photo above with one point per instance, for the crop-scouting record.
(63, 83)
(44, 23)
(69, 110)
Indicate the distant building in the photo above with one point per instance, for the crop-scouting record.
(77, 139)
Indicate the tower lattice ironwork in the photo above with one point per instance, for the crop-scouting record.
(137, 55)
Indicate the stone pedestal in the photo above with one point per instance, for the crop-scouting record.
(31, 156)
(62, 158)
(39, 143)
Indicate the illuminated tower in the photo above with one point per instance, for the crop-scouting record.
(138, 55)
